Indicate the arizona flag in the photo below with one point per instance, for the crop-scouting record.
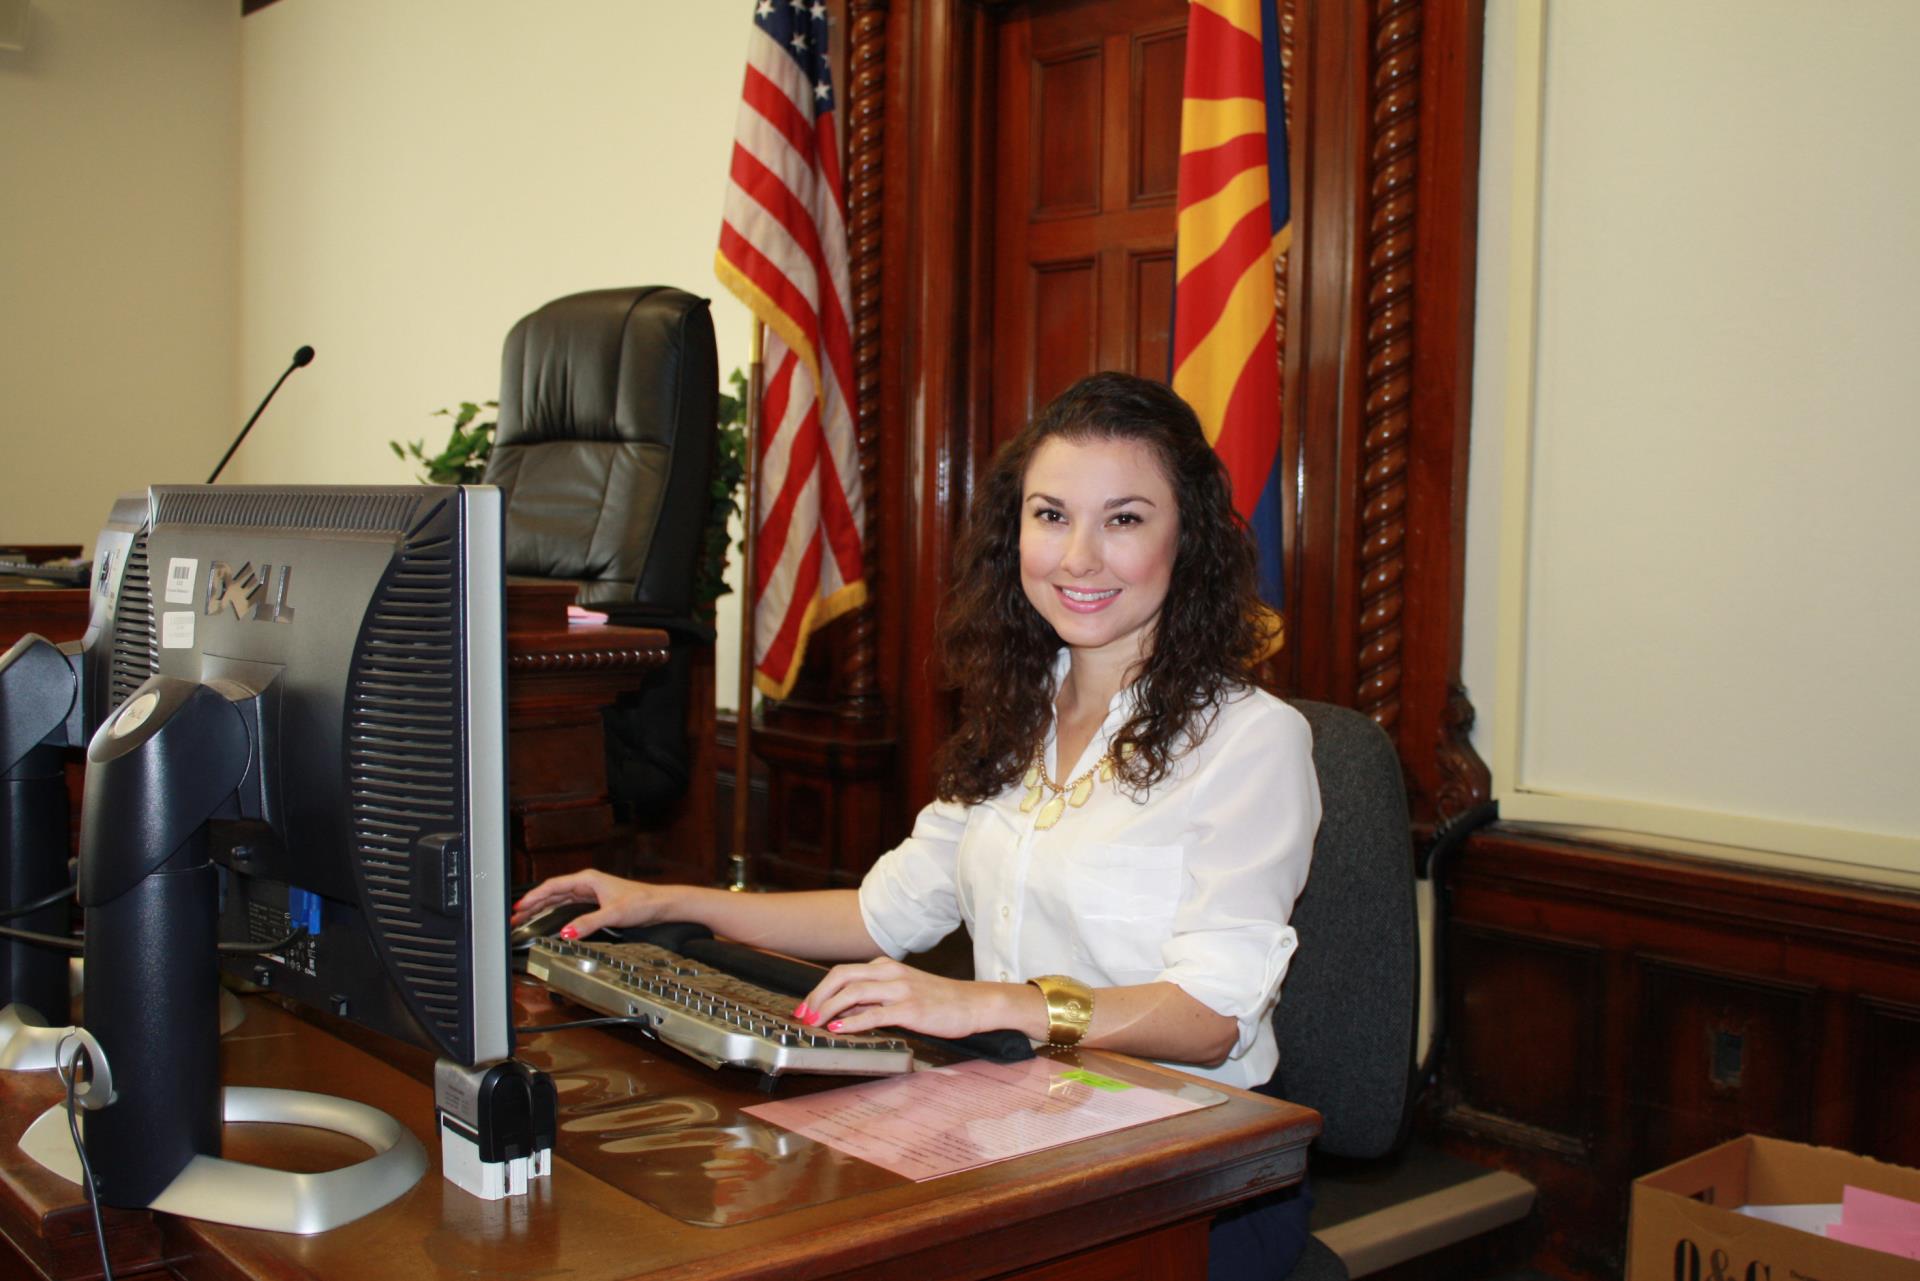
(1233, 228)
(783, 251)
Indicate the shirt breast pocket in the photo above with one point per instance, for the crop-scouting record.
(1124, 898)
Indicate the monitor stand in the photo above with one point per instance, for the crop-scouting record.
(251, 1196)
(27, 1044)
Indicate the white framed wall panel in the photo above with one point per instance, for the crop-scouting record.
(1705, 413)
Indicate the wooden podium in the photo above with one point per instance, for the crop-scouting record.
(560, 677)
(658, 1173)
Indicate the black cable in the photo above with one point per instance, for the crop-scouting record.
(65, 942)
(611, 1020)
(28, 909)
(78, 943)
(261, 949)
(1448, 840)
(70, 1075)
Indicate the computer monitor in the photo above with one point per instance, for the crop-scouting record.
(39, 688)
(317, 760)
(51, 699)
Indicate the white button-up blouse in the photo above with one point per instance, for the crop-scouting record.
(1191, 884)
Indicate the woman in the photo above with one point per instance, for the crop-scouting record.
(1124, 820)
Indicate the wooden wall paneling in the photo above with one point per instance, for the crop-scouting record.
(1718, 1055)
(1524, 1015)
(1885, 1085)
(1819, 980)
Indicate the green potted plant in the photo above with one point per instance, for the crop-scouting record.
(463, 460)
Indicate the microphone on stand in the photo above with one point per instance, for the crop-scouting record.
(302, 357)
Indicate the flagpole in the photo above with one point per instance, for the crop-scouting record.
(741, 861)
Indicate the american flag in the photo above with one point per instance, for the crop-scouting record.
(783, 251)
(1233, 225)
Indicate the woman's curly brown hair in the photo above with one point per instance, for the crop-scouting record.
(999, 652)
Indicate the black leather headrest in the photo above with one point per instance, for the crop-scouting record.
(608, 402)
(607, 365)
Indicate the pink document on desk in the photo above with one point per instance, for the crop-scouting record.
(948, 1119)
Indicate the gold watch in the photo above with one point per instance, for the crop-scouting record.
(1069, 1007)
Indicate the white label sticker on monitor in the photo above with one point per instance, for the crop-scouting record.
(180, 571)
(176, 629)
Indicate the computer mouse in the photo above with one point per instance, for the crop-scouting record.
(546, 922)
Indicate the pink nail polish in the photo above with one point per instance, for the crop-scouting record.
(568, 933)
(834, 1026)
(801, 1011)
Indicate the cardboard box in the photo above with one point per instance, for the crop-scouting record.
(1684, 1226)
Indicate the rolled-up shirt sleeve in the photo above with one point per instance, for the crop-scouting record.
(909, 899)
(1256, 807)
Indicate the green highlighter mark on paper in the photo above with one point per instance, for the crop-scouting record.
(1094, 1079)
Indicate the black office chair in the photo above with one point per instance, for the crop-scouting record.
(1348, 1019)
(608, 406)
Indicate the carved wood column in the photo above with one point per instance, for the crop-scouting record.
(1381, 369)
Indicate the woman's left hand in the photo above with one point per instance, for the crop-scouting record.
(886, 993)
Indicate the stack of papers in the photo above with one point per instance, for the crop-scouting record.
(1862, 1217)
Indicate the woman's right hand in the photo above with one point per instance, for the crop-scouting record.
(618, 901)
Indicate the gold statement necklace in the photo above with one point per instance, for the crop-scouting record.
(1076, 793)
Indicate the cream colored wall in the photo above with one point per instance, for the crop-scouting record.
(418, 176)
(1691, 601)
(119, 207)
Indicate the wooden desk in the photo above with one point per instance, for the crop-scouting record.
(649, 1140)
(57, 613)
(559, 679)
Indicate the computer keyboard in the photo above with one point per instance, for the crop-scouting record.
(708, 1015)
(76, 574)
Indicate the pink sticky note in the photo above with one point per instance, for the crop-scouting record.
(1904, 1244)
(575, 614)
(1864, 1208)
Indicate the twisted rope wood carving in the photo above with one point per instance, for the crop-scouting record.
(1387, 413)
(866, 136)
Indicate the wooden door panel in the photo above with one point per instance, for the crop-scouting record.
(1159, 70)
(1064, 295)
(1088, 112)
(1150, 309)
(1065, 128)
(1888, 1082)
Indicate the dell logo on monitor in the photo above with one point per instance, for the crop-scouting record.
(246, 592)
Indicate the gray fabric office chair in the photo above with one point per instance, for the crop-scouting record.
(609, 402)
(1349, 1010)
